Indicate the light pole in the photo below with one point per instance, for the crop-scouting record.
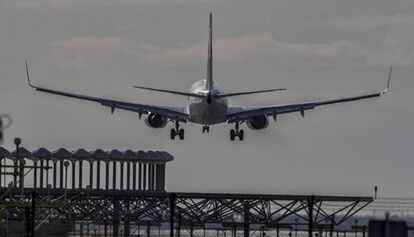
(66, 164)
(17, 142)
(356, 227)
(296, 226)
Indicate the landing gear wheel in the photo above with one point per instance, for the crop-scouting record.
(241, 135)
(206, 129)
(177, 132)
(237, 132)
(232, 134)
(181, 134)
(172, 134)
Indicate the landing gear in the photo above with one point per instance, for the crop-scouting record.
(237, 132)
(177, 131)
(206, 129)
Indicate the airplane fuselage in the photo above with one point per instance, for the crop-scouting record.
(208, 110)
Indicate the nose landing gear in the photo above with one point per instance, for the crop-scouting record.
(177, 131)
(206, 129)
(237, 132)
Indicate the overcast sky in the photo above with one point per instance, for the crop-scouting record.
(316, 48)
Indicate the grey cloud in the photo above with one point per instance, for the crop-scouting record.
(367, 22)
(252, 46)
(398, 47)
(79, 52)
(67, 4)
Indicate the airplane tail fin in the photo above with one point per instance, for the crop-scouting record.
(248, 92)
(209, 81)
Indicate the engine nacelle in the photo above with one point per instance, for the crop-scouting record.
(156, 121)
(258, 122)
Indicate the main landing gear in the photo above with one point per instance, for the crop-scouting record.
(237, 132)
(177, 131)
(206, 129)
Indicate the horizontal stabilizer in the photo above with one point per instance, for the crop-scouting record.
(248, 92)
(171, 92)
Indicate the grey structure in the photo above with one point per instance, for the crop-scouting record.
(144, 202)
(148, 168)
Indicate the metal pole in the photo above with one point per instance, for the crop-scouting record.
(66, 164)
(80, 173)
(21, 172)
(27, 221)
(157, 177)
(73, 174)
(98, 175)
(91, 174)
(134, 175)
(139, 176)
(364, 227)
(246, 226)
(33, 214)
(162, 177)
(144, 177)
(61, 174)
(128, 174)
(356, 227)
(114, 175)
(42, 167)
(296, 227)
(35, 174)
(106, 175)
(122, 176)
(153, 177)
(172, 213)
(150, 176)
(17, 142)
(311, 201)
(1, 167)
(127, 226)
(116, 220)
(387, 230)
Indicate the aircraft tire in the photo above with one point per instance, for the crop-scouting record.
(172, 134)
(232, 134)
(181, 134)
(241, 135)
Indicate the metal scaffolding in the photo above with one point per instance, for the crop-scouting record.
(130, 209)
(35, 192)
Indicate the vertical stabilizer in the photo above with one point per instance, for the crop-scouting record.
(209, 82)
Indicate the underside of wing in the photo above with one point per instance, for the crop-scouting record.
(170, 112)
(237, 114)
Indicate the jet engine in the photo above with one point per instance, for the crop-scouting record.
(258, 122)
(156, 121)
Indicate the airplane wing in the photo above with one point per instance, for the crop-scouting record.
(173, 113)
(238, 114)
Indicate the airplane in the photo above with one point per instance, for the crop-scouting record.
(208, 105)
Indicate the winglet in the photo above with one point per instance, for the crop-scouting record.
(388, 83)
(28, 77)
